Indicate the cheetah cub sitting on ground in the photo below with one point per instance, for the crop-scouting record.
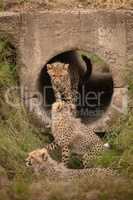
(40, 161)
(69, 131)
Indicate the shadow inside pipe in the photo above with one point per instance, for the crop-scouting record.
(95, 88)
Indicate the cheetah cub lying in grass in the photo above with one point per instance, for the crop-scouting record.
(67, 130)
(40, 161)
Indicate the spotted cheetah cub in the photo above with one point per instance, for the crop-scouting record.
(65, 78)
(40, 161)
(69, 131)
(61, 81)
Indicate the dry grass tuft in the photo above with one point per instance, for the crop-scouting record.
(17, 5)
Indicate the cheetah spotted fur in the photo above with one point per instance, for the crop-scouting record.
(40, 161)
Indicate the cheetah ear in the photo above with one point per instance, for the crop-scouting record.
(49, 67)
(66, 66)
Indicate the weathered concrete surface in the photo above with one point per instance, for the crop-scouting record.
(46, 34)
(42, 35)
(10, 26)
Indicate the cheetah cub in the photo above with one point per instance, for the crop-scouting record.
(40, 161)
(61, 82)
(66, 79)
(69, 131)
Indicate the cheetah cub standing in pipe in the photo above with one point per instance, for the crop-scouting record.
(65, 79)
(40, 161)
(67, 130)
(61, 82)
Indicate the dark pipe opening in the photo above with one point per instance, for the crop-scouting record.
(95, 96)
(95, 88)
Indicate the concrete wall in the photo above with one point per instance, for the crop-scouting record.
(40, 36)
(46, 34)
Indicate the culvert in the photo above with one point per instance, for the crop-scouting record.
(41, 36)
(53, 32)
(95, 87)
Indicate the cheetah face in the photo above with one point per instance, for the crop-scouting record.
(57, 72)
(36, 158)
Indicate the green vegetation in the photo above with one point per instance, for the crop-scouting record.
(18, 136)
(1, 5)
(98, 63)
(7, 64)
(121, 140)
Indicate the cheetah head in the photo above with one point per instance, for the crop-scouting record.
(57, 71)
(36, 159)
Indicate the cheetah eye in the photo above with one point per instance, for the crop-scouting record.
(30, 163)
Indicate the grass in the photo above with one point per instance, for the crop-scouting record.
(121, 136)
(115, 4)
(109, 3)
(18, 136)
(7, 64)
(1, 5)
(121, 140)
(23, 1)
(98, 63)
(84, 189)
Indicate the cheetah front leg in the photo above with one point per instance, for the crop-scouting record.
(65, 155)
